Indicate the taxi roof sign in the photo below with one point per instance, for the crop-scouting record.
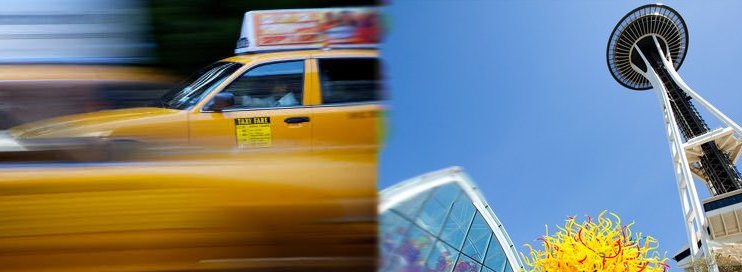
(290, 29)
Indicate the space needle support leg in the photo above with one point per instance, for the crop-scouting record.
(692, 213)
(716, 112)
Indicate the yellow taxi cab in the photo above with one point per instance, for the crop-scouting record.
(278, 92)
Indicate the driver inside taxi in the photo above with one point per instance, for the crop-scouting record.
(280, 96)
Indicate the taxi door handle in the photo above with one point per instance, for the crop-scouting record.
(296, 120)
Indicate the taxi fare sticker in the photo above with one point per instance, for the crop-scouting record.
(253, 132)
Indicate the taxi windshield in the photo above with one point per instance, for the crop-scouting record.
(190, 91)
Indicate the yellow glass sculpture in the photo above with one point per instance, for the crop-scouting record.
(596, 245)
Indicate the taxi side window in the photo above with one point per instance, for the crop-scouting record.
(278, 84)
(350, 80)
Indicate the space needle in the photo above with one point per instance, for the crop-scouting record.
(645, 50)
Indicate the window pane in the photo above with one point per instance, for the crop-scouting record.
(495, 257)
(435, 209)
(466, 264)
(410, 254)
(458, 221)
(278, 84)
(392, 228)
(410, 207)
(447, 193)
(442, 258)
(477, 239)
(350, 80)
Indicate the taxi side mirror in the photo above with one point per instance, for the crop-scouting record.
(221, 101)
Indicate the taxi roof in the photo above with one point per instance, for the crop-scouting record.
(292, 54)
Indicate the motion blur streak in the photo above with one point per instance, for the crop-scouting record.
(71, 56)
(265, 212)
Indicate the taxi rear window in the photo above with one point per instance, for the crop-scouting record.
(350, 80)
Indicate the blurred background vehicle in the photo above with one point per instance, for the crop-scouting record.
(249, 212)
(34, 92)
(64, 57)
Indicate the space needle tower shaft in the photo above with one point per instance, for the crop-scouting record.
(645, 50)
(651, 56)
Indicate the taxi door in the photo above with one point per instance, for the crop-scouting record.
(348, 113)
(269, 110)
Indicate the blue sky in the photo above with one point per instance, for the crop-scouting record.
(518, 93)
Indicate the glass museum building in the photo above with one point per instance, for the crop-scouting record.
(440, 222)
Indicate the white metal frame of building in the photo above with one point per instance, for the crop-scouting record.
(408, 189)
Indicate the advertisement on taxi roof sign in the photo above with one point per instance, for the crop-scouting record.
(270, 30)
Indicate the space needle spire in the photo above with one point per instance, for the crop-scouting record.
(645, 50)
